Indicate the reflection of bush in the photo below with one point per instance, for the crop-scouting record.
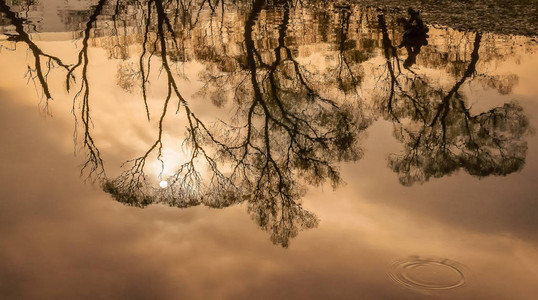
(136, 197)
(439, 133)
(491, 143)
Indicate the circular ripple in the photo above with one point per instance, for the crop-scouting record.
(428, 273)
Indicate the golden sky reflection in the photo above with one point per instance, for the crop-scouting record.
(66, 239)
(59, 232)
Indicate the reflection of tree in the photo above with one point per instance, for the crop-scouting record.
(94, 162)
(43, 62)
(348, 71)
(442, 136)
(133, 186)
(283, 130)
(301, 133)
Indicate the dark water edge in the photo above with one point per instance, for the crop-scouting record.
(513, 17)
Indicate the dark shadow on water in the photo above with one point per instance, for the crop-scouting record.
(414, 37)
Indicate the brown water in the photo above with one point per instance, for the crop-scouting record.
(263, 150)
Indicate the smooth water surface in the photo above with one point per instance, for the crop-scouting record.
(260, 150)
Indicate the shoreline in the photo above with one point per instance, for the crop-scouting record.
(510, 17)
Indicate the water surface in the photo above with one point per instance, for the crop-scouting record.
(169, 149)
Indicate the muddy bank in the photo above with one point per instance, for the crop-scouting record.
(505, 17)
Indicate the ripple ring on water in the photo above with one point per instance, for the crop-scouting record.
(405, 273)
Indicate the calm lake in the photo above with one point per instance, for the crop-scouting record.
(221, 149)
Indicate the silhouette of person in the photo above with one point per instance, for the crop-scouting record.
(415, 36)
